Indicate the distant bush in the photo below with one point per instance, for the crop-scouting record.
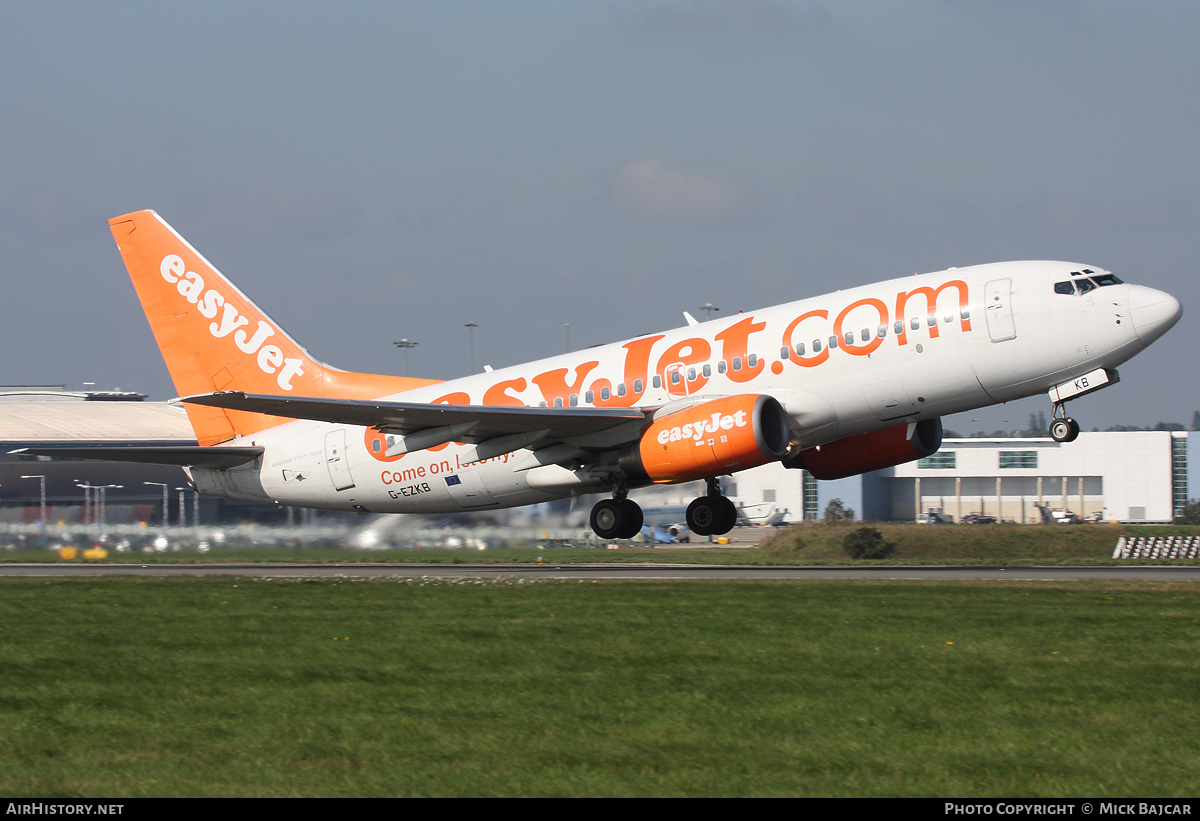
(836, 511)
(1190, 515)
(867, 543)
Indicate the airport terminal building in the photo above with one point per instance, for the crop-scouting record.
(1133, 477)
(75, 490)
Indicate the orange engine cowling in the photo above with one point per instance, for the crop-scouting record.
(710, 439)
(872, 451)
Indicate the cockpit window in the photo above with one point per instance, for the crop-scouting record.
(1064, 287)
(1106, 279)
(1085, 285)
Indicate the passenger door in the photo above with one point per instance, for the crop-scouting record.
(998, 306)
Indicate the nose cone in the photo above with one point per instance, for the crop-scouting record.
(1153, 312)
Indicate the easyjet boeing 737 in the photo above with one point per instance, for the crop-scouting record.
(838, 385)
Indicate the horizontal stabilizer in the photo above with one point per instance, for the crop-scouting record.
(182, 455)
(408, 417)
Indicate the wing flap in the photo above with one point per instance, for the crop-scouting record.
(409, 417)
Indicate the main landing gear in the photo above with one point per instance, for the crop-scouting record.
(621, 517)
(711, 514)
(616, 519)
(1063, 428)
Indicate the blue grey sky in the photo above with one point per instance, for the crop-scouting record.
(372, 171)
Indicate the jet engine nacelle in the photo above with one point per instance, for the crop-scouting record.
(710, 439)
(871, 451)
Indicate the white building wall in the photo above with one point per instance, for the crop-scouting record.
(1126, 475)
(764, 490)
(1137, 468)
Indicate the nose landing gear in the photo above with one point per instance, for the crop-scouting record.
(1063, 428)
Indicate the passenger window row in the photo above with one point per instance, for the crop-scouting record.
(864, 335)
(605, 394)
(676, 377)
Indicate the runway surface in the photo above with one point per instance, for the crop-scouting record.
(610, 571)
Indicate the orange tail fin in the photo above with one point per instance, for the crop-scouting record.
(214, 338)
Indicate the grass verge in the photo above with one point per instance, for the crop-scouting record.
(243, 687)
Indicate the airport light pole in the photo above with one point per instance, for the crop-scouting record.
(471, 326)
(708, 309)
(166, 503)
(182, 509)
(567, 333)
(43, 480)
(103, 494)
(87, 499)
(406, 345)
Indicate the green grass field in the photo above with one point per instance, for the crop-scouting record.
(243, 687)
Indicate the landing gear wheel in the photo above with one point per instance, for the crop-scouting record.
(1064, 430)
(612, 519)
(728, 516)
(633, 518)
(703, 516)
(607, 518)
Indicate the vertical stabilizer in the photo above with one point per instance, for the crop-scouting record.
(214, 338)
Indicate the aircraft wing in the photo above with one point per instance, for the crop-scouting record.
(488, 421)
(182, 455)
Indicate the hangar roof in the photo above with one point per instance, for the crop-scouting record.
(33, 422)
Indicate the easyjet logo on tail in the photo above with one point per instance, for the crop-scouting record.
(211, 303)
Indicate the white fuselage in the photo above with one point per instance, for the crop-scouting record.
(906, 349)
